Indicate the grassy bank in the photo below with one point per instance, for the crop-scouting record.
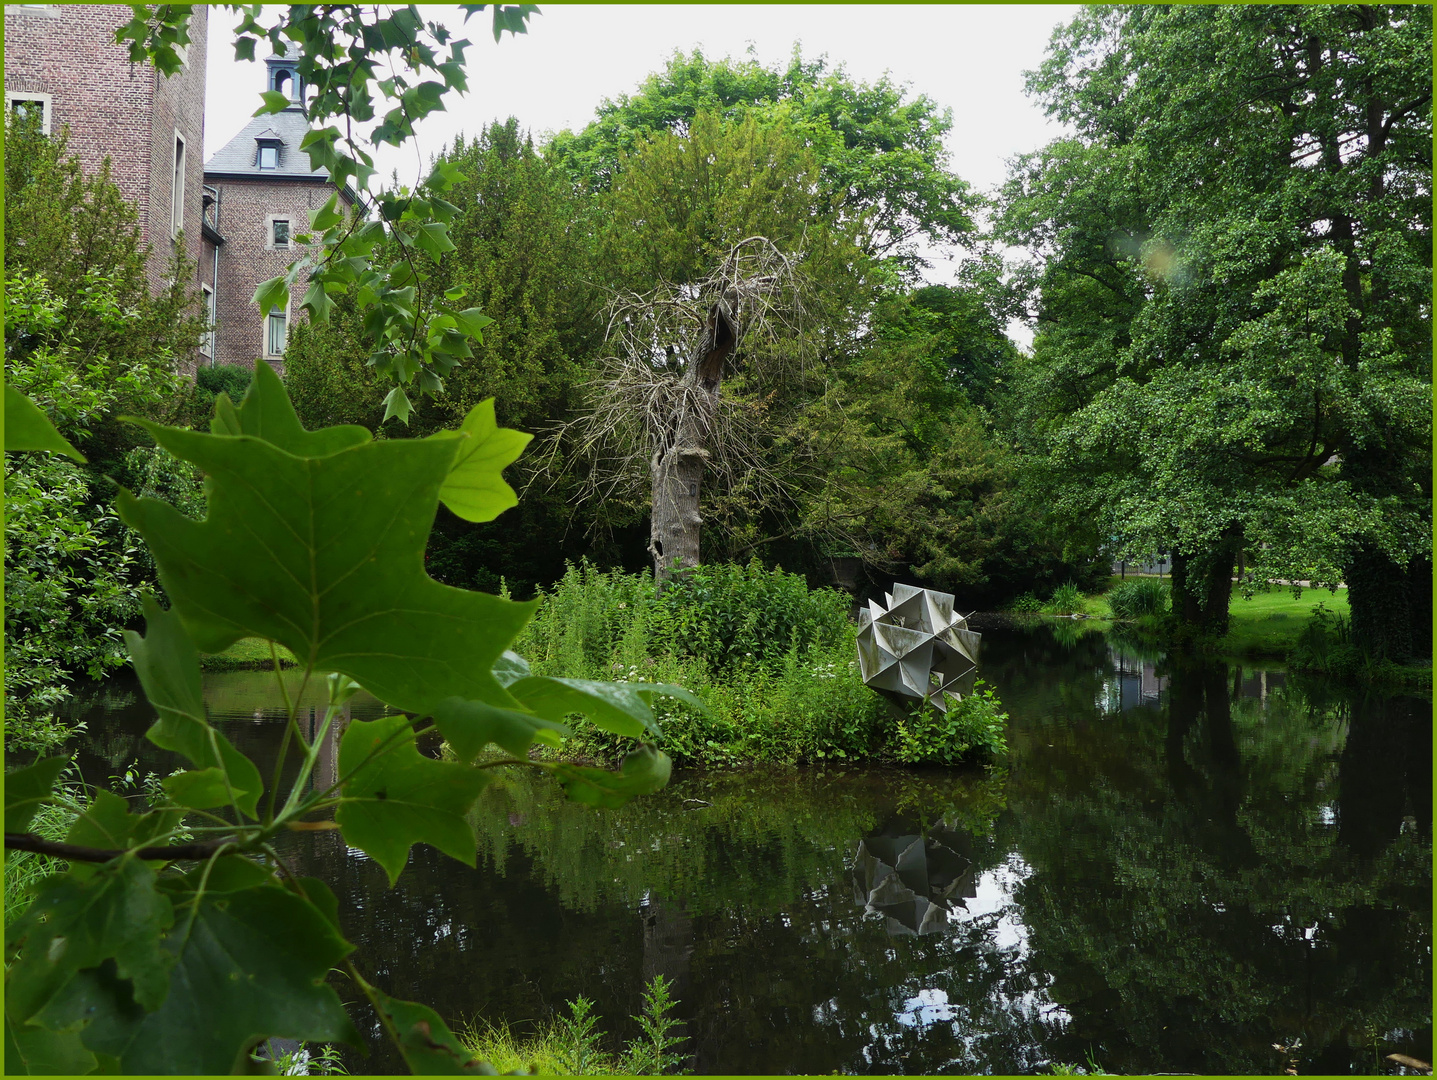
(1308, 631)
(246, 654)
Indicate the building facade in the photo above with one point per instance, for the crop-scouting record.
(61, 60)
(234, 218)
(263, 191)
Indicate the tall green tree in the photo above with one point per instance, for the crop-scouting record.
(879, 152)
(1234, 255)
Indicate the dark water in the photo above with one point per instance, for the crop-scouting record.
(1180, 867)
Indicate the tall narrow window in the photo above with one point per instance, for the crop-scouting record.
(274, 333)
(177, 192)
(280, 238)
(269, 157)
(207, 340)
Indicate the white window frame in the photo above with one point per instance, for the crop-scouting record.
(269, 243)
(177, 187)
(207, 339)
(32, 96)
(265, 330)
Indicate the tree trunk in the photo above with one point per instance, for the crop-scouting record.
(1202, 584)
(677, 468)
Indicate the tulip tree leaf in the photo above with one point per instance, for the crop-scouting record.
(266, 413)
(428, 1046)
(322, 550)
(475, 488)
(75, 923)
(27, 788)
(395, 797)
(108, 824)
(469, 726)
(623, 708)
(642, 772)
(168, 665)
(249, 964)
(199, 789)
(34, 1051)
(28, 428)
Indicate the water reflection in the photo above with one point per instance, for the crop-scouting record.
(913, 879)
(1181, 866)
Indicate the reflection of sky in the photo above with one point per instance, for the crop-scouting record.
(991, 923)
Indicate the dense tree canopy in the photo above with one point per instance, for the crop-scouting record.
(880, 155)
(1235, 255)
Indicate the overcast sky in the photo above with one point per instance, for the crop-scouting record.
(969, 57)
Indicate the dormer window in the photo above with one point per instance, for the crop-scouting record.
(269, 157)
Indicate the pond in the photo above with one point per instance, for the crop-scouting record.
(1180, 869)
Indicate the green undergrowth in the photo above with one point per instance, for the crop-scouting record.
(774, 662)
(574, 1044)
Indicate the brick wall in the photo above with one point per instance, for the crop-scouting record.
(116, 109)
(246, 208)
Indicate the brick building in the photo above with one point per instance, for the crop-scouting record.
(62, 61)
(260, 190)
(234, 217)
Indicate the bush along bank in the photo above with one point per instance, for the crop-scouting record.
(774, 662)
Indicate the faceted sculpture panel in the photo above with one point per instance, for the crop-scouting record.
(914, 647)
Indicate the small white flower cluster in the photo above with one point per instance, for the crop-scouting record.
(629, 675)
(825, 671)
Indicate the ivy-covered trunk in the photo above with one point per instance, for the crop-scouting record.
(677, 468)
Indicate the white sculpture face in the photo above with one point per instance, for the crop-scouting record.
(915, 647)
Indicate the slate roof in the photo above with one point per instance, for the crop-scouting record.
(239, 156)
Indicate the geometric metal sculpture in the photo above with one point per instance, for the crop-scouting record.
(915, 648)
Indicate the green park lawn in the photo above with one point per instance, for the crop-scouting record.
(1268, 623)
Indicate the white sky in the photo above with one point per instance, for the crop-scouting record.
(969, 57)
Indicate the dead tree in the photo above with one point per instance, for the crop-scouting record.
(657, 415)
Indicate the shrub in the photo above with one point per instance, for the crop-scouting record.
(1325, 644)
(974, 725)
(1066, 600)
(1139, 597)
(1027, 604)
(731, 616)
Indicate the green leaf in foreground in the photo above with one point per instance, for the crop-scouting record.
(395, 797)
(469, 726)
(324, 553)
(27, 428)
(117, 913)
(475, 488)
(35, 1051)
(168, 665)
(642, 772)
(622, 708)
(248, 965)
(27, 788)
(108, 824)
(428, 1046)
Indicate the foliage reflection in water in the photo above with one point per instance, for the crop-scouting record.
(1180, 868)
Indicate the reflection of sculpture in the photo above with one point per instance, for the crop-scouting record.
(916, 647)
(913, 878)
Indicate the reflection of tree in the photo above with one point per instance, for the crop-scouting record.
(1196, 903)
